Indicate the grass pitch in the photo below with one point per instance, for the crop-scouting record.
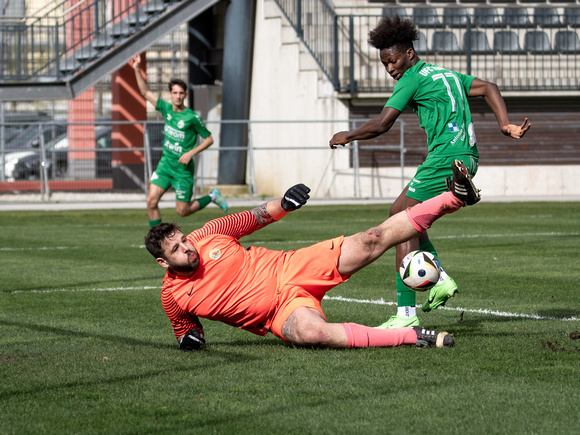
(86, 348)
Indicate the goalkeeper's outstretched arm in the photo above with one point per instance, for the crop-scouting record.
(274, 210)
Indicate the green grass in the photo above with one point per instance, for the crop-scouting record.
(86, 348)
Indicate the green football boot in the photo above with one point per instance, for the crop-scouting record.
(219, 200)
(439, 294)
(400, 322)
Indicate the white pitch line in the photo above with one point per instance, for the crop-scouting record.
(331, 298)
(40, 248)
(478, 311)
(77, 290)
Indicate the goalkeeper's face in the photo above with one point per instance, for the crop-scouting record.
(179, 254)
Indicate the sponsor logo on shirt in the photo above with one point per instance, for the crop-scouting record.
(214, 254)
(172, 133)
(175, 148)
(181, 124)
(453, 126)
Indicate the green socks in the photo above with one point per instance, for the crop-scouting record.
(154, 222)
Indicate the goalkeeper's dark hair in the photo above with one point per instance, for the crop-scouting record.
(177, 82)
(393, 32)
(157, 235)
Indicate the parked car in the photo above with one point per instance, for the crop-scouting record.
(26, 164)
(16, 123)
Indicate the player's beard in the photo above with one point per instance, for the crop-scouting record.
(186, 268)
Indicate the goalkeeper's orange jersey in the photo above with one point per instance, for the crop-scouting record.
(233, 284)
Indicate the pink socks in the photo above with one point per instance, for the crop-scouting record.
(365, 336)
(424, 214)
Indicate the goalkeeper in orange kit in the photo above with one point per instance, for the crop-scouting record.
(211, 275)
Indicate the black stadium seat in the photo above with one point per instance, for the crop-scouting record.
(487, 17)
(445, 42)
(455, 17)
(547, 17)
(426, 18)
(421, 46)
(567, 42)
(517, 17)
(572, 17)
(477, 40)
(537, 42)
(506, 42)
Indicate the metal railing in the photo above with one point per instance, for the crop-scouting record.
(518, 47)
(49, 164)
(55, 41)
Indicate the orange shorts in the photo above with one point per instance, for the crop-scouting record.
(308, 274)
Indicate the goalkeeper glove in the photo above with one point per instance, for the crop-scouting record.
(192, 340)
(295, 197)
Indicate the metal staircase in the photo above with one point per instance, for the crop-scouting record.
(58, 54)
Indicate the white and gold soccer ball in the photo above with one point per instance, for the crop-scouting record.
(419, 270)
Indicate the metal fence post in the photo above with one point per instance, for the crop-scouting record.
(43, 168)
(251, 164)
(148, 168)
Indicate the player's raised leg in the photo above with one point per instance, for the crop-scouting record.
(361, 249)
(462, 186)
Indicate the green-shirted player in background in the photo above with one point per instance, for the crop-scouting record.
(439, 97)
(176, 167)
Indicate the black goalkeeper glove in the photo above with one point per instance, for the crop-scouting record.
(295, 197)
(192, 340)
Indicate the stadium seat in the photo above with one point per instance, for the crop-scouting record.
(477, 40)
(445, 42)
(455, 17)
(486, 17)
(537, 42)
(517, 17)
(572, 17)
(547, 17)
(506, 42)
(391, 12)
(567, 42)
(426, 18)
(421, 46)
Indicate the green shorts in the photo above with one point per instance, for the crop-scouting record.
(179, 177)
(429, 180)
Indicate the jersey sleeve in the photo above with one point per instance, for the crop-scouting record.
(162, 106)
(200, 127)
(235, 225)
(404, 91)
(181, 321)
(466, 81)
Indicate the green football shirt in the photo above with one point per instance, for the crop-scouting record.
(439, 97)
(181, 130)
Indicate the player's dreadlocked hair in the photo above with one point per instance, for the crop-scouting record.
(393, 32)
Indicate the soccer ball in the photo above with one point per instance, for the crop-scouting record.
(419, 270)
